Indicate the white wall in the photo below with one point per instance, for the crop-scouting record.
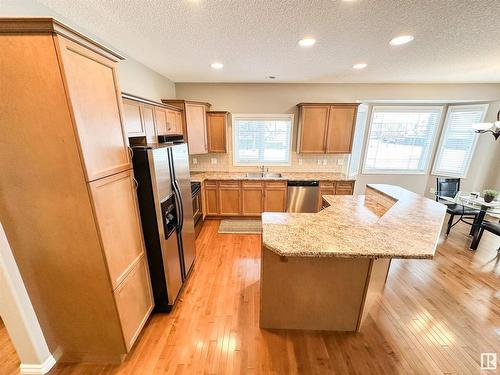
(135, 78)
(283, 98)
(18, 315)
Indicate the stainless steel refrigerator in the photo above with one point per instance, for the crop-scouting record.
(164, 194)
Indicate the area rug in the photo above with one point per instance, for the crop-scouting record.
(240, 226)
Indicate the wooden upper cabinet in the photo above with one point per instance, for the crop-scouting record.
(216, 131)
(341, 123)
(114, 200)
(161, 121)
(94, 94)
(132, 113)
(326, 127)
(194, 125)
(178, 122)
(313, 125)
(148, 119)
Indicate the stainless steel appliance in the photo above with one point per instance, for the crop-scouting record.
(197, 212)
(164, 194)
(302, 196)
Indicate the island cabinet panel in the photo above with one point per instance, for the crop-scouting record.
(161, 121)
(211, 198)
(132, 113)
(118, 219)
(252, 198)
(326, 127)
(216, 131)
(313, 122)
(95, 99)
(229, 198)
(148, 118)
(134, 301)
(341, 122)
(275, 196)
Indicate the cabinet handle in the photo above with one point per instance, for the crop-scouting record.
(136, 184)
(131, 152)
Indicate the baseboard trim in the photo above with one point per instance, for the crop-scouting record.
(41, 369)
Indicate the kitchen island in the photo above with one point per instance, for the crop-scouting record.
(323, 271)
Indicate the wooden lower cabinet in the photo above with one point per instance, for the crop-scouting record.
(134, 301)
(334, 188)
(275, 196)
(211, 198)
(229, 198)
(252, 198)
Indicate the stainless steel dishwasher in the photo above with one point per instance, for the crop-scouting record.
(302, 196)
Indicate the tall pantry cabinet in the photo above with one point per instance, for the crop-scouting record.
(67, 192)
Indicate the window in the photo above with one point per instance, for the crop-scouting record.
(262, 139)
(400, 139)
(458, 140)
(357, 143)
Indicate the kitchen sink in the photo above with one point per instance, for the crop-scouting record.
(263, 175)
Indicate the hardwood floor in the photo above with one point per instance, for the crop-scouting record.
(9, 361)
(435, 317)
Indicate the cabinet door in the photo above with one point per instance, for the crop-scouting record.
(341, 124)
(275, 196)
(134, 125)
(211, 198)
(196, 128)
(148, 119)
(216, 132)
(92, 87)
(161, 121)
(115, 205)
(178, 122)
(344, 188)
(171, 122)
(252, 198)
(313, 125)
(229, 198)
(134, 301)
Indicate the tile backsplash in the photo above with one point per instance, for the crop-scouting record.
(300, 163)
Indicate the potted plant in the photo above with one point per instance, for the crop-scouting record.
(489, 195)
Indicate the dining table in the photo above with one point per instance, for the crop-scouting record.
(477, 203)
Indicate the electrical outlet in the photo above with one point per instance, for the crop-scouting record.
(325, 161)
(319, 161)
(432, 190)
(195, 161)
(300, 161)
(340, 162)
(213, 160)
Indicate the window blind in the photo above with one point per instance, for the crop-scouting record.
(262, 139)
(357, 144)
(458, 140)
(401, 139)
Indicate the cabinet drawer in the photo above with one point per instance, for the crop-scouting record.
(251, 183)
(276, 184)
(118, 220)
(229, 184)
(343, 191)
(134, 301)
(345, 184)
(327, 184)
(210, 183)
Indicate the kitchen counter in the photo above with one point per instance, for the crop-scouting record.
(312, 176)
(324, 271)
(404, 225)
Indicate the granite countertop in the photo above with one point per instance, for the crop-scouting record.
(354, 227)
(313, 176)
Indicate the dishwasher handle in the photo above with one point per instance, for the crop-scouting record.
(302, 183)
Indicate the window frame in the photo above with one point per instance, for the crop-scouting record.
(432, 142)
(367, 109)
(256, 116)
(442, 137)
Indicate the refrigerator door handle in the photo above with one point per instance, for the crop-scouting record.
(180, 205)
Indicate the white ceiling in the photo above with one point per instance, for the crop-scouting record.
(455, 40)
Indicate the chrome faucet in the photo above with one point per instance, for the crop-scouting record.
(262, 169)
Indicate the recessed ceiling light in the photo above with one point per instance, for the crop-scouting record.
(359, 66)
(403, 39)
(307, 42)
(217, 65)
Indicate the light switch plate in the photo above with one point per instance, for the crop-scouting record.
(319, 161)
(325, 161)
(340, 162)
(195, 161)
(432, 190)
(213, 160)
(300, 161)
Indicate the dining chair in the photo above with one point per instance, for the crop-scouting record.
(450, 187)
(490, 227)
